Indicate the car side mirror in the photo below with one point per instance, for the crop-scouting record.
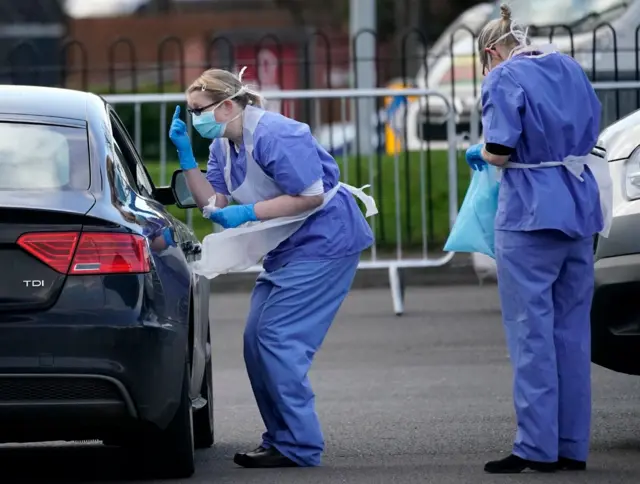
(182, 194)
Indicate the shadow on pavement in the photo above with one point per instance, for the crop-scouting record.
(69, 463)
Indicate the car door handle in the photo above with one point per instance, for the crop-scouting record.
(187, 247)
(190, 248)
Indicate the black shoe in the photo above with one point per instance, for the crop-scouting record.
(515, 465)
(257, 450)
(565, 464)
(263, 458)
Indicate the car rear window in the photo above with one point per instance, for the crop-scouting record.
(43, 157)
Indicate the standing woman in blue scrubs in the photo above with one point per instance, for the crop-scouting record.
(272, 167)
(541, 120)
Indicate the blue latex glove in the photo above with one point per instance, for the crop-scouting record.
(234, 216)
(474, 157)
(179, 137)
(168, 237)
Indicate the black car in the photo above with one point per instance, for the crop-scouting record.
(104, 327)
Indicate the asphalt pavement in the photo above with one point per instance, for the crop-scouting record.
(422, 398)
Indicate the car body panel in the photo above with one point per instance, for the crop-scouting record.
(623, 237)
(615, 318)
(621, 139)
(74, 202)
(133, 331)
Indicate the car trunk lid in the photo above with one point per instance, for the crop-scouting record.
(36, 247)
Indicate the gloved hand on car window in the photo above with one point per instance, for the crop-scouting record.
(180, 138)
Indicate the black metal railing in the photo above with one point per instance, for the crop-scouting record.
(605, 53)
(124, 69)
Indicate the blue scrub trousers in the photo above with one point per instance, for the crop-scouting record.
(291, 311)
(546, 284)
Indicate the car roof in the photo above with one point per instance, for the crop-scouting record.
(46, 101)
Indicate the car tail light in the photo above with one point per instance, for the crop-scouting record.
(99, 253)
(89, 253)
(54, 249)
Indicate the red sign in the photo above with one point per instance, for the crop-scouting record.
(270, 68)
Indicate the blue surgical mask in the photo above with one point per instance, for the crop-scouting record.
(207, 126)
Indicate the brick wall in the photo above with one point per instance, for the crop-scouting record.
(145, 34)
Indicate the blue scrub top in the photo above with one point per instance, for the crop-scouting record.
(288, 153)
(546, 109)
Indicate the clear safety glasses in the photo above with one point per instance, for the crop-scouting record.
(199, 111)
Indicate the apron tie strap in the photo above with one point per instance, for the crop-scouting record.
(575, 165)
(367, 200)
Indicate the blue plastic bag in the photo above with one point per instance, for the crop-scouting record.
(473, 230)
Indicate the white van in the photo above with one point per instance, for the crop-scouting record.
(453, 68)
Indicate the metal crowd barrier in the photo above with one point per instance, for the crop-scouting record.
(345, 98)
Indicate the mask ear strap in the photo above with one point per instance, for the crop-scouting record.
(241, 73)
(242, 89)
(520, 34)
(245, 88)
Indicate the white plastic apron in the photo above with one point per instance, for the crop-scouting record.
(240, 248)
(575, 164)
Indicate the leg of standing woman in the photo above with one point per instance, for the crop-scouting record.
(252, 361)
(572, 296)
(528, 266)
(294, 322)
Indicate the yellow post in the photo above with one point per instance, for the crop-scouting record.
(393, 143)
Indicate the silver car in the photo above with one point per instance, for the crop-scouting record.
(615, 317)
(602, 35)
